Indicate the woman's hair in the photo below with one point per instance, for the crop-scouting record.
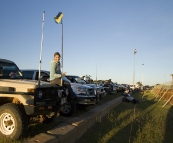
(56, 53)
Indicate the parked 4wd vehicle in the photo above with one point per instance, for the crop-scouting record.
(77, 95)
(98, 89)
(109, 87)
(21, 99)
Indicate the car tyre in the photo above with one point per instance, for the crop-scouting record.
(68, 109)
(13, 121)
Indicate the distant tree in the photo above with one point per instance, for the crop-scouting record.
(98, 81)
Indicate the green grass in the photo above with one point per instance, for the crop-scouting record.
(37, 127)
(147, 122)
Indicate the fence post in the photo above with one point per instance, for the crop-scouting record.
(158, 91)
(165, 93)
(167, 101)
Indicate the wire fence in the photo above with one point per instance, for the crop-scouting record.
(164, 92)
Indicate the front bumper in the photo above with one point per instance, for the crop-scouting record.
(45, 108)
(102, 92)
(86, 99)
(114, 91)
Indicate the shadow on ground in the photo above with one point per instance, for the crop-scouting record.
(169, 127)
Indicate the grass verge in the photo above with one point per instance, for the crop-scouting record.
(147, 122)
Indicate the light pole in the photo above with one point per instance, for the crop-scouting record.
(172, 77)
(135, 51)
(142, 76)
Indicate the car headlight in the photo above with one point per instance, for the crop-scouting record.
(40, 94)
(31, 90)
(60, 92)
(95, 92)
(98, 90)
(81, 89)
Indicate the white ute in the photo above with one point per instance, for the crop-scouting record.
(21, 99)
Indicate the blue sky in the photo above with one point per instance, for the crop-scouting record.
(100, 34)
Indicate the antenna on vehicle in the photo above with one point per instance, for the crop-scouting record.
(96, 75)
(41, 50)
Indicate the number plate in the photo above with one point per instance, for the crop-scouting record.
(63, 100)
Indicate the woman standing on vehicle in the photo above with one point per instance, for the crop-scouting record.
(55, 70)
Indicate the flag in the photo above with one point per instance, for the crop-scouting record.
(135, 51)
(58, 18)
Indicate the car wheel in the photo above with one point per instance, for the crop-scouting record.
(68, 109)
(13, 121)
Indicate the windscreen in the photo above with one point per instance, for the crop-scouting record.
(79, 80)
(9, 70)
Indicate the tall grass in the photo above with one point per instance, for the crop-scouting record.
(147, 122)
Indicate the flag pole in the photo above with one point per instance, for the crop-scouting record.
(58, 20)
(41, 50)
(62, 53)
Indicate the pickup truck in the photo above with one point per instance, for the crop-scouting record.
(22, 99)
(78, 95)
(110, 86)
(100, 91)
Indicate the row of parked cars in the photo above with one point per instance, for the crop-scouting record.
(28, 93)
(84, 93)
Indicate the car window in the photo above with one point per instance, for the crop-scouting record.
(79, 80)
(69, 78)
(9, 70)
(66, 79)
(42, 74)
(28, 74)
